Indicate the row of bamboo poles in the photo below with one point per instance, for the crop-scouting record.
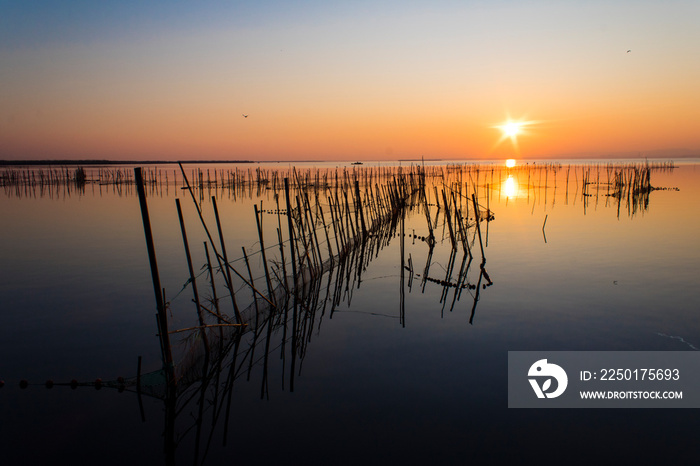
(345, 217)
(351, 219)
(627, 183)
(228, 178)
(235, 177)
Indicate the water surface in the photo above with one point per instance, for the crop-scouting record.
(390, 366)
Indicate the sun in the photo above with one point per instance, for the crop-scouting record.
(511, 129)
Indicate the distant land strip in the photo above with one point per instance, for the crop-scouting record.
(112, 162)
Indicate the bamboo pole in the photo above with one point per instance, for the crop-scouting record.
(312, 227)
(262, 251)
(478, 229)
(448, 219)
(193, 279)
(250, 275)
(229, 279)
(162, 315)
(291, 234)
(213, 285)
(325, 230)
(359, 207)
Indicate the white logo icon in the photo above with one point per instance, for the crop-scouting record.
(543, 369)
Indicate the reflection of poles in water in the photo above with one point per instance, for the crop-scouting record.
(477, 217)
(292, 371)
(448, 219)
(426, 270)
(448, 279)
(264, 387)
(426, 209)
(584, 190)
(402, 304)
(461, 279)
(258, 221)
(410, 273)
(257, 311)
(325, 231)
(482, 275)
(461, 228)
(546, 185)
(360, 262)
(294, 271)
(554, 193)
(543, 225)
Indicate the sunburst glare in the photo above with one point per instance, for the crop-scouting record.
(511, 129)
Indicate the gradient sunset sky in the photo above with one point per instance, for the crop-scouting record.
(361, 80)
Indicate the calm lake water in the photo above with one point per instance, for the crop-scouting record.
(397, 354)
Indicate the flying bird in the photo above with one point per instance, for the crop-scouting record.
(628, 51)
(244, 115)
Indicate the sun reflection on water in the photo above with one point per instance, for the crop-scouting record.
(510, 187)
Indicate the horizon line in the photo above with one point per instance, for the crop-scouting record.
(13, 162)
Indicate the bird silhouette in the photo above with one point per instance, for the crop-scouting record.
(244, 115)
(628, 51)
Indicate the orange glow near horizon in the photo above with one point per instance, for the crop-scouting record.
(320, 134)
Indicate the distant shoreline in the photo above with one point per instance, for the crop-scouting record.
(88, 162)
(113, 162)
(201, 162)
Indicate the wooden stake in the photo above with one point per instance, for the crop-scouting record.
(359, 207)
(478, 229)
(193, 279)
(262, 251)
(229, 280)
(162, 314)
(291, 234)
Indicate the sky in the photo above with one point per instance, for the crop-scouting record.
(361, 80)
